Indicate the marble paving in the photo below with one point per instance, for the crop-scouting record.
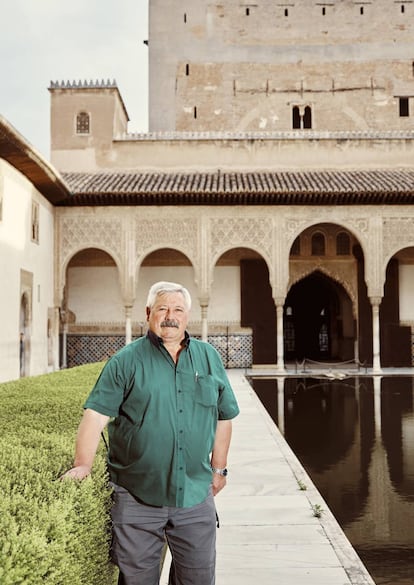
(268, 532)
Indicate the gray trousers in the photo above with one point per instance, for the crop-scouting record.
(139, 533)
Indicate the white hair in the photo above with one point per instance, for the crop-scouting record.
(162, 287)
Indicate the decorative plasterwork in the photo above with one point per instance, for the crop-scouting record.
(343, 273)
(80, 232)
(180, 234)
(232, 232)
(398, 233)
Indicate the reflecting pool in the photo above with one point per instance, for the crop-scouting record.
(355, 438)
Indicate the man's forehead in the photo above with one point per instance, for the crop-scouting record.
(175, 298)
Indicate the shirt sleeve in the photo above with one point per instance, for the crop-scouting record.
(227, 403)
(108, 393)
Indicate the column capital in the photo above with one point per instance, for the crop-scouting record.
(375, 301)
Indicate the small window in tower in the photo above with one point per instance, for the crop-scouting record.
(295, 118)
(361, 10)
(404, 107)
(83, 123)
(185, 17)
(307, 118)
(286, 12)
(295, 249)
(323, 10)
(195, 112)
(318, 244)
(343, 244)
(187, 69)
(35, 222)
(402, 8)
(247, 11)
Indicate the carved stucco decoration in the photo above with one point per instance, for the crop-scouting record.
(180, 234)
(398, 233)
(232, 232)
(80, 232)
(344, 274)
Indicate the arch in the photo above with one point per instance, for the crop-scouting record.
(248, 303)
(320, 324)
(164, 263)
(70, 255)
(250, 248)
(329, 272)
(361, 236)
(396, 310)
(90, 269)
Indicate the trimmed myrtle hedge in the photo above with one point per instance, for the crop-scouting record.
(52, 532)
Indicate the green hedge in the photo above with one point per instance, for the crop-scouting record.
(52, 532)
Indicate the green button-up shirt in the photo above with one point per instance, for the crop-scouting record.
(164, 418)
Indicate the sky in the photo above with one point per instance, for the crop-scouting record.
(60, 40)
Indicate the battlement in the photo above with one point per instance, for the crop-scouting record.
(91, 84)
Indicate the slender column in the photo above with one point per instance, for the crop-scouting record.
(376, 363)
(204, 323)
(64, 340)
(128, 324)
(279, 336)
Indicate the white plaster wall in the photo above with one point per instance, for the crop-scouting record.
(18, 252)
(225, 295)
(406, 275)
(94, 294)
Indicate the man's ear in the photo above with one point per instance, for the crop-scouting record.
(148, 311)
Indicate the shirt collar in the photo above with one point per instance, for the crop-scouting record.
(157, 341)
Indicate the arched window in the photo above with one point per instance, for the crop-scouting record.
(318, 244)
(343, 244)
(307, 118)
(295, 117)
(82, 123)
(301, 120)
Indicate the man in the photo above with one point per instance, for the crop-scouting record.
(169, 406)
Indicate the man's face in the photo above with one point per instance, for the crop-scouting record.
(168, 317)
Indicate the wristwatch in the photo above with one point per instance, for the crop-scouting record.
(223, 472)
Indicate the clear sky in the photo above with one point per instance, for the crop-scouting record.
(54, 40)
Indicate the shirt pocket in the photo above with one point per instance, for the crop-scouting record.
(206, 392)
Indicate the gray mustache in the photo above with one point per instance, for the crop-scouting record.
(169, 323)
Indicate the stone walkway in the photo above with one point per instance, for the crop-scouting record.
(269, 534)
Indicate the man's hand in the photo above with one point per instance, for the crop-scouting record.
(79, 472)
(219, 481)
(87, 441)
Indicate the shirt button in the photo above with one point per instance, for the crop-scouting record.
(181, 409)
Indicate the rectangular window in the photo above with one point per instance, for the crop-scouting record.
(35, 222)
(404, 107)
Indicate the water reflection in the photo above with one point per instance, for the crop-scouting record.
(355, 438)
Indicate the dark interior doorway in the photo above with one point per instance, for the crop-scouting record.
(317, 320)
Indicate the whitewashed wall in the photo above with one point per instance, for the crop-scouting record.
(17, 253)
(95, 294)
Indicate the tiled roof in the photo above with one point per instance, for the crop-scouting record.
(241, 188)
(20, 154)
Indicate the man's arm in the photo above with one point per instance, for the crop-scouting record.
(87, 441)
(220, 451)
